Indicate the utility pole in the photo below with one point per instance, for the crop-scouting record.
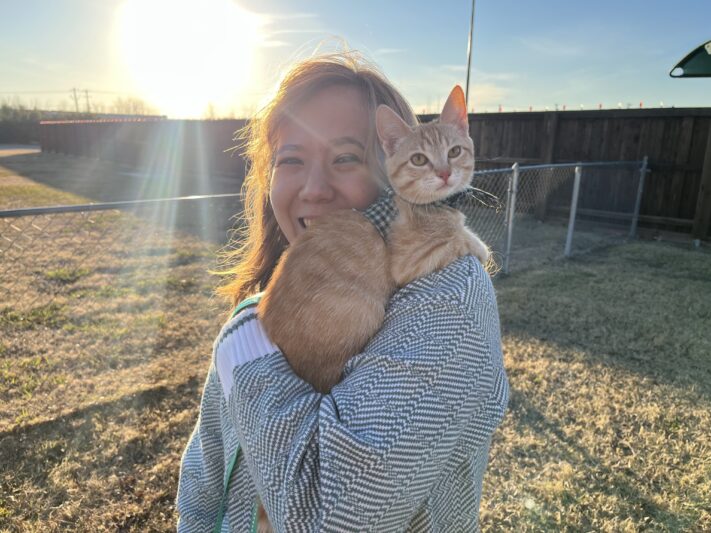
(469, 54)
(76, 100)
(86, 94)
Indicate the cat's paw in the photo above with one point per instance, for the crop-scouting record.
(477, 248)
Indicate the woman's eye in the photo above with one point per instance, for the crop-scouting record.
(454, 152)
(419, 160)
(347, 158)
(288, 161)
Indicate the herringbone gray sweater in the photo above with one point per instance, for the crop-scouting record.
(401, 444)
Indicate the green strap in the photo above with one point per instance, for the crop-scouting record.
(253, 529)
(221, 514)
(254, 300)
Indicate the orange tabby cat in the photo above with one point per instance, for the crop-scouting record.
(328, 294)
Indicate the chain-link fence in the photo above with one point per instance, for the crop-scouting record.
(577, 208)
(71, 255)
(527, 215)
(486, 211)
(543, 215)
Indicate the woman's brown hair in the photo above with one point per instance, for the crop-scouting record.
(250, 259)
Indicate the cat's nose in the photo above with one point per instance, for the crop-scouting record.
(444, 174)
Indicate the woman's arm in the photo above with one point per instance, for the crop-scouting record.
(201, 472)
(374, 448)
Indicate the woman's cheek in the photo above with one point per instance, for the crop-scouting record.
(281, 196)
(364, 190)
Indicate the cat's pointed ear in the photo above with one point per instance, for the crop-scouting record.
(390, 127)
(455, 111)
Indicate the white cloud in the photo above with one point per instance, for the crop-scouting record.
(389, 51)
(283, 30)
(494, 76)
(487, 94)
(429, 90)
(454, 68)
(480, 75)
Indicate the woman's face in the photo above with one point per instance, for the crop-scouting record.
(319, 164)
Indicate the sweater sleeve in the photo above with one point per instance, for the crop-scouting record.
(368, 454)
(201, 468)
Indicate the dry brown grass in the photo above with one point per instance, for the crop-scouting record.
(609, 427)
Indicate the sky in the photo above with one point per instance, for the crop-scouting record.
(199, 58)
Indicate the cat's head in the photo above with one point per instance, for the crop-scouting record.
(431, 161)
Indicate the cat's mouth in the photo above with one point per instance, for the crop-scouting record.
(433, 192)
(447, 188)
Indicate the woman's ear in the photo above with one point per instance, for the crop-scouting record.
(391, 128)
(455, 111)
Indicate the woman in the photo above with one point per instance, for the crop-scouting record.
(402, 442)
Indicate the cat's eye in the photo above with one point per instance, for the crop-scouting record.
(419, 160)
(454, 152)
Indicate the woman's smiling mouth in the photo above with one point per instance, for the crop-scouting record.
(306, 222)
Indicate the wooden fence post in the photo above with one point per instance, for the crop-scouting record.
(702, 216)
(550, 130)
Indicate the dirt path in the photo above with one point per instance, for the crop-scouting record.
(7, 150)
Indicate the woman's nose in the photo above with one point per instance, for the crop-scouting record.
(317, 187)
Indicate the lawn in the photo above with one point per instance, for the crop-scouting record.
(609, 425)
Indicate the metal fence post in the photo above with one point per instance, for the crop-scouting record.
(511, 209)
(573, 210)
(638, 202)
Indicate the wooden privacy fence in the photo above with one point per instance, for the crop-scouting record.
(198, 146)
(19, 131)
(677, 191)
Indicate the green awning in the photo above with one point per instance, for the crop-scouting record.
(696, 64)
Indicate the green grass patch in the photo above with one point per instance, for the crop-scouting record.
(51, 316)
(160, 284)
(179, 283)
(104, 329)
(183, 256)
(104, 292)
(66, 275)
(36, 195)
(24, 375)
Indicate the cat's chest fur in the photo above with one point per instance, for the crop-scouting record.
(424, 239)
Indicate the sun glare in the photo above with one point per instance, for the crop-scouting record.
(184, 55)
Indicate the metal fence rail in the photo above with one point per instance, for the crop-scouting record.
(543, 212)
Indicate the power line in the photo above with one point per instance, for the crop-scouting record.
(65, 92)
(34, 92)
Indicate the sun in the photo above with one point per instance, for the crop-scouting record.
(185, 55)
